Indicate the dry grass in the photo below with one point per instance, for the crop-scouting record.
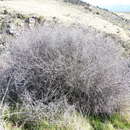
(66, 13)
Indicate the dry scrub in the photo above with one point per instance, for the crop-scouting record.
(56, 63)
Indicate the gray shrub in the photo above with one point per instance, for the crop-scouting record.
(76, 63)
(73, 1)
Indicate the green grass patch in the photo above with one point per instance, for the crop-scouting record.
(115, 122)
(120, 122)
(17, 121)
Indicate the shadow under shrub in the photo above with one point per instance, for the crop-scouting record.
(53, 62)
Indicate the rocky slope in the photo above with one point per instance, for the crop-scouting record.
(17, 15)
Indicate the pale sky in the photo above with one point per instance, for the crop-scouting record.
(108, 2)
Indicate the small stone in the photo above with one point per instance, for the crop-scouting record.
(5, 12)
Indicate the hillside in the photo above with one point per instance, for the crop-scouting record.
(125, 15)
(63, 66)
(67, 13)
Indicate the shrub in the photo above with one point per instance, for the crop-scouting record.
(57, 62)
(73, 1)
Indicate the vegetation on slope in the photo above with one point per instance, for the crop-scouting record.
(72, 122)
(63, 77)
(55, 69)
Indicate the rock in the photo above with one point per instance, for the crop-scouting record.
(5, 12)
(11, 22)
